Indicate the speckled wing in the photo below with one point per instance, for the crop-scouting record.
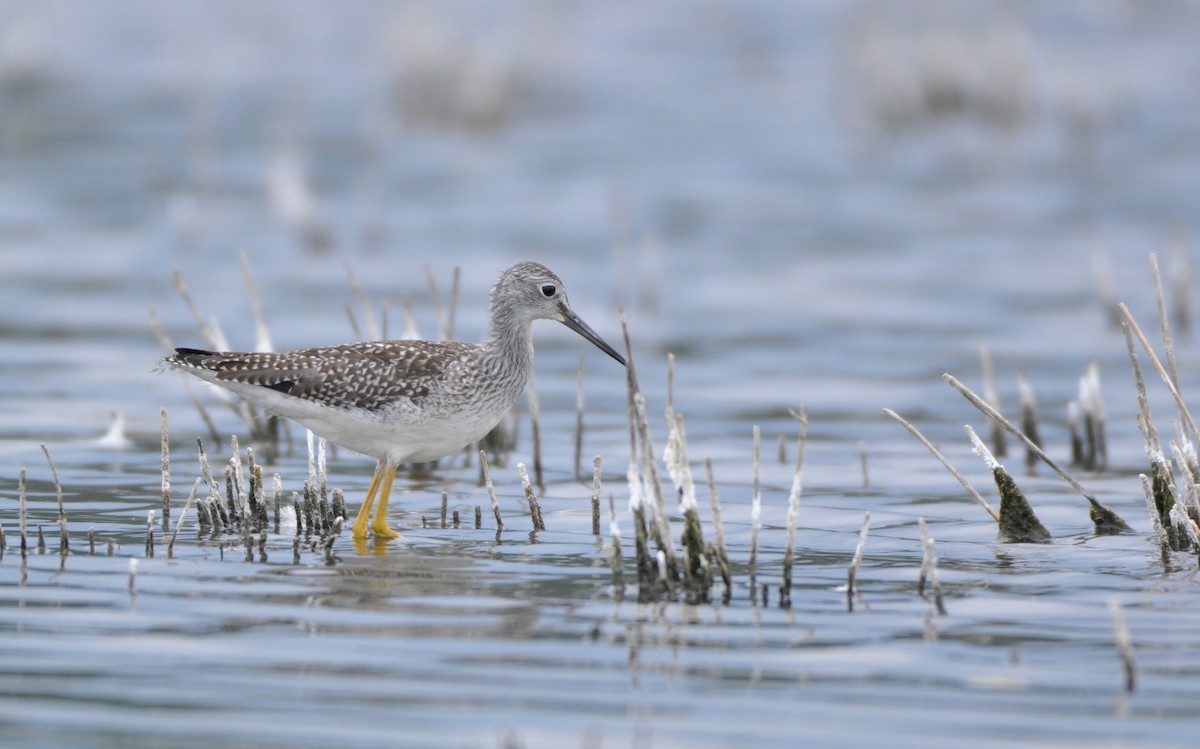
(371, 376)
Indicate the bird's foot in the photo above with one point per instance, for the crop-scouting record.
(380, 529)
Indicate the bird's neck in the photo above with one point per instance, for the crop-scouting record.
(510, 341)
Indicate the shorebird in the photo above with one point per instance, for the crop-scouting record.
(402, 401)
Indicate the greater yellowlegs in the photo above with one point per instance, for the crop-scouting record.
(402, 401)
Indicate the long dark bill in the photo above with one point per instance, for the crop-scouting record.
(572, 321)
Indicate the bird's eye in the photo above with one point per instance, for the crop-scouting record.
(548, 290)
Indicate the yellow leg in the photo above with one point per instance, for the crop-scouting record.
(364, 512)
(380, 526)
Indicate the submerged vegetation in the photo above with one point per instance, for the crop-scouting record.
(674, 556)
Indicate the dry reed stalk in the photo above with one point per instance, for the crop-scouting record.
(338, 505)
(1189, 422)
(645, 560)
(992, 396)
(1077, 441)
(945, 462)
(855, 561)
(64, 540)
(929, 571)
(212, 336)
(755, 518)
(491, 491)
(615, 562)
(298, 509)
(221, 517)
(697, 576)
(369, 328)
(1160, 531)
(1164, 320)
(1124, 643)
(1029, 416)
(335, 530)
(231, 496)
(718, 552)
(696, 571)
(182, 514)
(322, 474)
(1018, 522)
(1091, 405)
(262, 336)
(277, 494)
(633, 478)
(793, 513)
(1185, 527)
(659, 527)
(862, 455)
(160, 333)
(150, 534)
(239, 481)
(1105, 520)
(531, 397)
(1187, 494)
(312, 519)
(21, 512)
(166, 472)
(203, 516)
(650, 519)
(535, 509)
(353, 323)
(1161, 479)
(254, 498)
(596, 462)
(310, 443)
(640, 426)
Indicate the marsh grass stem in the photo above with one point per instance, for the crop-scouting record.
(64, 540)
(945, 462)
(852, 571)
(491, 492)
(1104, 519)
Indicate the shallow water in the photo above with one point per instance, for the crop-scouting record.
(767, 193)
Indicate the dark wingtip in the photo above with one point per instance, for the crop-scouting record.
(283, 386)
(189, 355)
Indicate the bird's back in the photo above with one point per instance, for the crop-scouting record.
(413, 400)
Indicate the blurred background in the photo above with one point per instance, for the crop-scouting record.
(766, 171)
(827, 203)
(792, 169)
